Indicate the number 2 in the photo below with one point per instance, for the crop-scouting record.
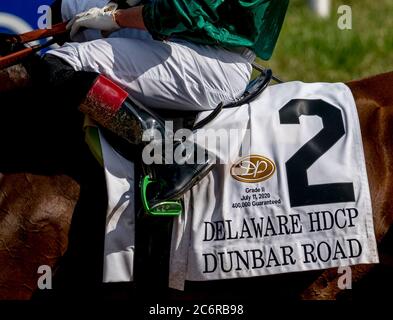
(300, 192)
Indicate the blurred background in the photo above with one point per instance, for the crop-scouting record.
(313, 48)
(310, 47)
(18, 16)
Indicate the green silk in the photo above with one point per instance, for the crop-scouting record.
(255, 24)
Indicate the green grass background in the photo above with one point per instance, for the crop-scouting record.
(314, 49)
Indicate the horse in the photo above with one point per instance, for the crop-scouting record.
(53, 200)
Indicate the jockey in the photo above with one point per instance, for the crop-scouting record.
(167, 54)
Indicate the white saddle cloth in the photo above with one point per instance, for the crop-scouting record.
(293, 196)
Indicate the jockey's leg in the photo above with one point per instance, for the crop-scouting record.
(162, 75)
(169, 75)
(112, 107)
(165, 75)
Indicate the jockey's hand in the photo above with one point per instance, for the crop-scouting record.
(95, 18)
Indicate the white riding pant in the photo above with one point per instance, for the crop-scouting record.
(175, 74)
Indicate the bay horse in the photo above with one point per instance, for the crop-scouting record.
(53, 197)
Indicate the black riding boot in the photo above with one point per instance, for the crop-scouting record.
(177, 178)
(111, 107)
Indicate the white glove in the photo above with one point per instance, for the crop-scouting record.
(95, 18)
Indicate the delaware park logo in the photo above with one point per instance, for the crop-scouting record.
(253, 169)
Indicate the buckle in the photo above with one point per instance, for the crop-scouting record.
(164, 208)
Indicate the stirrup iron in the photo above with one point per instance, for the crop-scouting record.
(164, 208)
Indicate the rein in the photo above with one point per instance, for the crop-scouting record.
(15, 41)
